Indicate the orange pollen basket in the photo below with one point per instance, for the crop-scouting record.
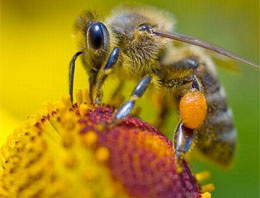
(193, 109)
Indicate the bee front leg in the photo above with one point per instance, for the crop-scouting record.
(111, 61)
(71, 74)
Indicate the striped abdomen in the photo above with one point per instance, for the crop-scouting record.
(217, 136)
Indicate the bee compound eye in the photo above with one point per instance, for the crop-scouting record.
(145, 28)
(96, 35)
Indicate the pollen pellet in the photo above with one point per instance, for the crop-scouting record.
(193, 109)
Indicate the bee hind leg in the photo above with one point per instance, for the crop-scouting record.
(193, 109)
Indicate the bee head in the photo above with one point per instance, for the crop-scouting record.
(93, 38)
(94, 43)
(133, 27)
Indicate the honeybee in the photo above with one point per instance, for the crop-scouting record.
(137, 43)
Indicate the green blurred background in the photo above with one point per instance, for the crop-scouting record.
(36, 45)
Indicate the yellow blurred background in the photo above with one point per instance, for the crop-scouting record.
(36, 45)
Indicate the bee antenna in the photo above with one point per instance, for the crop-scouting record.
(203, 44)
(71, 74)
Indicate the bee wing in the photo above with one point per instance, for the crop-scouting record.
(227, 64)
(203, 44)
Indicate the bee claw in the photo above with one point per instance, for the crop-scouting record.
(183, 139)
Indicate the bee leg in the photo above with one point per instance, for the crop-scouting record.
(112, 60)
(127, 107)
(186, 63)
(183, 136)
(192, 108)
(183, 139)
(71, 74)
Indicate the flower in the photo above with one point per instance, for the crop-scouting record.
(74, 151)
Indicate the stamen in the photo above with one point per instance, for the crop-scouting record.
(202, 176)
(208, 188)
(90, 138)
(206, 195)
(79, 96)
(102, 154)
(86, 96)
(66, 101)
(83, 109)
